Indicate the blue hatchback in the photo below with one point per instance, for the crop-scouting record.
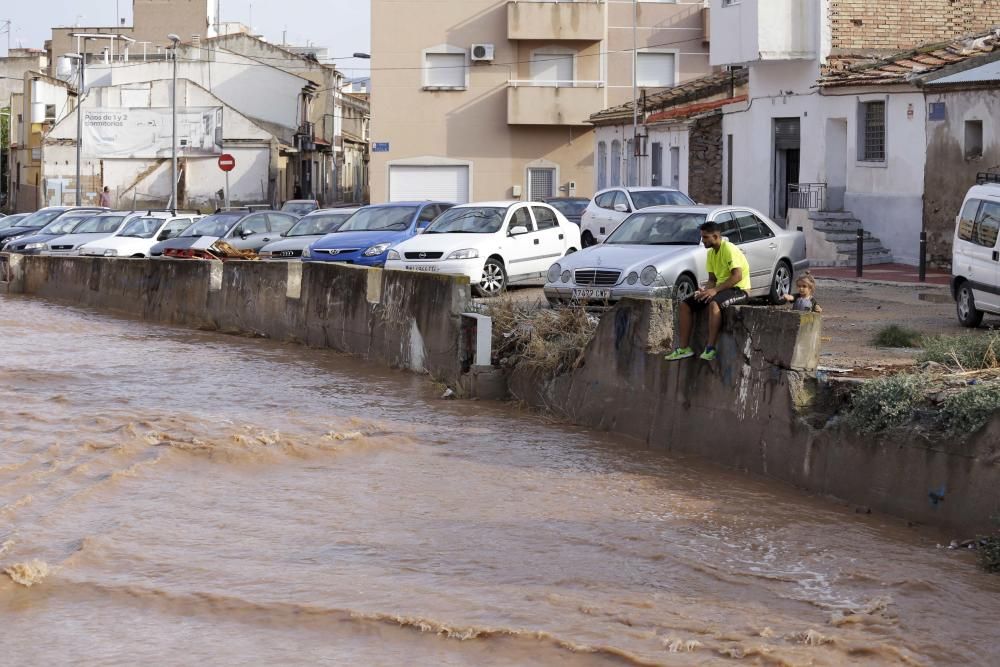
(368, 234)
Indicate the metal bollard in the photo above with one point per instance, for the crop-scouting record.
(923, 257)
(860, 270)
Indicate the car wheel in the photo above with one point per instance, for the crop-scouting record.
(588, 239)
(493, 280)
(781, 283)
(684, 287)
(965, 303)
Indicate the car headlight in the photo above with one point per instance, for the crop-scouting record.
(376, 250)
(648, 275)
(633, 278)
(468, 253)
(35, 246)
(393, 255)
(110, 253)
(554, 271)
(566, 276)
(307, 253)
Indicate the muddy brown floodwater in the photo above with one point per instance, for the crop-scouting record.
(177, 497)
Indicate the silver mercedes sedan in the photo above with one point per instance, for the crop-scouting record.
(657, 252)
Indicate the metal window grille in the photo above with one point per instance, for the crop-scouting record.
(873, 137)
(541, 183)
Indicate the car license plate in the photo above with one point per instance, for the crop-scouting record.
(590, 293)
(426, 268)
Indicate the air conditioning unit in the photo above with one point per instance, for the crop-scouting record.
(482, 53)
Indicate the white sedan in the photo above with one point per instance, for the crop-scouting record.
(657, 252)
(495, 244)
(140, 234)
(610, 207)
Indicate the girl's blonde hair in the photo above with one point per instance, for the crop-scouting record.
(807, 280)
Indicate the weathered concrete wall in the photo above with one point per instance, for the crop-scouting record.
(742, 411)
(403, 320)
(705, 160)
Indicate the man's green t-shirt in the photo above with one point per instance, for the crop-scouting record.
(721, 263)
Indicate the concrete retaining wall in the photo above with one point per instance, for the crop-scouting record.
(747, 411)
(403, 320)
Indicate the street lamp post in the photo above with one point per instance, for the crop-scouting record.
(173, 124)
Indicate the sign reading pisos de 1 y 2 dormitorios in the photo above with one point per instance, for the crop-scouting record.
(145, 132)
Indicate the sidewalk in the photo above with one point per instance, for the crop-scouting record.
(896, 273)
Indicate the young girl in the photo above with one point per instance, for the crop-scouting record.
(805, 300)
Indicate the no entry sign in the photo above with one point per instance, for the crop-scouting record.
(227, 162)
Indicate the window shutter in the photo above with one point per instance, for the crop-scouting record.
(786, 133)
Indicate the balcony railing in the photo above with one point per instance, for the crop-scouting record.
(536, 102)
(811, 196)
(580, 20)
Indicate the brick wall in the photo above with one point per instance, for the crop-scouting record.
(864, 25)
(705, 160)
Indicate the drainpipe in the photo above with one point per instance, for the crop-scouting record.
(635, 100)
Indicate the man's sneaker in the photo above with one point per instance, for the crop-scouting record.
(680, 353)
(709, 354)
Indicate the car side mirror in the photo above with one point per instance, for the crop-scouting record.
(245, 233)
(163, 236)
(421, 230)
(517, 231)
(621, 208)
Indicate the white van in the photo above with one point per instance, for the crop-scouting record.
(975, 261)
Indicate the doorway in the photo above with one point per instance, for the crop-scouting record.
(836, 163)
(787, 141)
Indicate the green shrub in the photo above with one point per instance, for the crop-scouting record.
(971, 352)
(884, 402)
(970, 409)
(989, 554)
(896, 336)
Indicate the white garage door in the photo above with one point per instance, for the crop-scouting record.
(418, 182)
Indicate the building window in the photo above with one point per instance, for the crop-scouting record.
(655, 69)
(553, 67)
(602, 165)
(730, 3)
(444, 70)
(541, 183)
(973, 139)
(872, 136)
(616, 162)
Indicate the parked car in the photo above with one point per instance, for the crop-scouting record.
(140, 234)
(571, 207)
(311, 227)
(242, 229)
(610, 207)
(658, 252)
(34, 222)
(12, 220)
(495, 244)
(975, 261)
(368, 235)
(33, 242)
(300, 207)
(95, 228)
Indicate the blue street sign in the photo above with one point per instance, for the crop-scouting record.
(380, 147)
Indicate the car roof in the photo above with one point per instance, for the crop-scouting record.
(406, 203)
(707, 209)
(502, 203)
(321, 211)
(301, 201)
(984, 190)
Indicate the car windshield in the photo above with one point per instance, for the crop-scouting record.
(9, 221)
(380, 218)
(569, 207)
(101, 224)
(318, 224)
(65, 224)
(659, 229)
(299, 207)
(142, 228)
(647, 198)
(214, 225)
(468, 220)
(41, 218)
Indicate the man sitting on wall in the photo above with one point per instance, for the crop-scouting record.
(726, 261)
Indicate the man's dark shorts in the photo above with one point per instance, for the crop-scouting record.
(727, 297)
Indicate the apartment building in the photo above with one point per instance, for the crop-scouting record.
(485, 99)
(856, 146)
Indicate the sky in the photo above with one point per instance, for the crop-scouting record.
(343, 26)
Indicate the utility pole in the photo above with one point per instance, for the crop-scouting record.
(173, 124)
(7, 27)
(635, 85)
(82, 58)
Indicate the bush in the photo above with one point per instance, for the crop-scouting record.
(884, 402)
(970, 409)
(896, 336)
(549, 340)
(989, 554)
(974, 352)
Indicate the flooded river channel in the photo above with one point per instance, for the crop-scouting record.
(177, 497)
